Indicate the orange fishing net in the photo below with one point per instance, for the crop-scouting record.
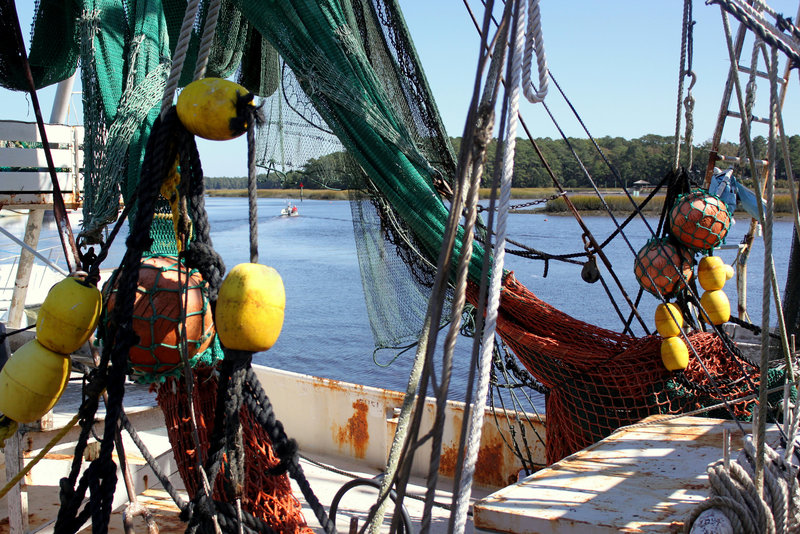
(267, 497)
(600, 380)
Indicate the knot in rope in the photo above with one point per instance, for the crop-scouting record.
(286, 451)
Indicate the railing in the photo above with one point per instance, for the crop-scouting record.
(24, 177)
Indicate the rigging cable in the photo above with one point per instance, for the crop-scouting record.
(517, 76)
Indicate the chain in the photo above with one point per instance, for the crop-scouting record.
(526, 204)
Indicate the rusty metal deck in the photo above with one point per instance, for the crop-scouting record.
(644, 478)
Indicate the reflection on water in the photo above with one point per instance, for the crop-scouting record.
(326, 331)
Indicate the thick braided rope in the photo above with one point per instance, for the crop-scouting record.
(767, 281)
(735, 494)
(200, 253)
(100, 477)
(179, 56)
(534, 41)
(758, 25)
(477, 410)
(687, 5)
(252, 185)
(225, 442)
(285, 448)
(212, 15)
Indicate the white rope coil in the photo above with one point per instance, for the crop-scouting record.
(735, 495)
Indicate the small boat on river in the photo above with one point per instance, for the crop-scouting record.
(290, 211)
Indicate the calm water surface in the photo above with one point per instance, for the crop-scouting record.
(326, 331)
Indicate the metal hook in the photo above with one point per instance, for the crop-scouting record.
(691, 74)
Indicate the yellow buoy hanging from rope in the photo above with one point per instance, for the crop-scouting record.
(674, 354)
(250, 307)
(68, 315)
(214, 108)
(717, 306)
(712, 273)
(32, 381)
(669, 320)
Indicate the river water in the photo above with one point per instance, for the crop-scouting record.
(326, 331)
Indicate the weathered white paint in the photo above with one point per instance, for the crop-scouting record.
(32, 185)
(336, 418)
(644, 478)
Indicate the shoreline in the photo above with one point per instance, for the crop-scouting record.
(579, 199)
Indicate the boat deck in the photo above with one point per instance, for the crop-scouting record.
(42, 482)
(643, 478)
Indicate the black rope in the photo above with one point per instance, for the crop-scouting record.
(100, 477)
(227, 518)
(252, 183)
(5, 334)
(750, 326)
(162, 477)
(284, 448)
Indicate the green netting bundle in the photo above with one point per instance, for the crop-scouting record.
(55, 44)
(699, 220)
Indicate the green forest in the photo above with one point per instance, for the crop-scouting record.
(646, 158)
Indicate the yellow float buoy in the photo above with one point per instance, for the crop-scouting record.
(214, 108)
(717, 306)
(250, 307)
(712, 273)
(674, 354)
(669, 320)
(32, 381)
(68, 315)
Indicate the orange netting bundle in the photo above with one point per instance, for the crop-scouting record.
(267, 497)
(599, 380)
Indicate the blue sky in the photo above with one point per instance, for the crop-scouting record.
(616, 60)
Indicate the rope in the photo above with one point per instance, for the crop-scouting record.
(100, 477)
(285, 448)
(765, 298)
(534, 41)
(734, 493)
(474, 144)
(212, 15)
(687, 22)
(35, 460)
(515, 77)
(252, 184)
(179, 56)
(755, 22)
(10, 333)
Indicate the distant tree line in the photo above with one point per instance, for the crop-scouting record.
(648, 158)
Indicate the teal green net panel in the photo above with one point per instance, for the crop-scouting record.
(317, 39)
(54, 46)
(126, 52)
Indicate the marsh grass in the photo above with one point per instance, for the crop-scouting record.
(311, 194)
(584, 202)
